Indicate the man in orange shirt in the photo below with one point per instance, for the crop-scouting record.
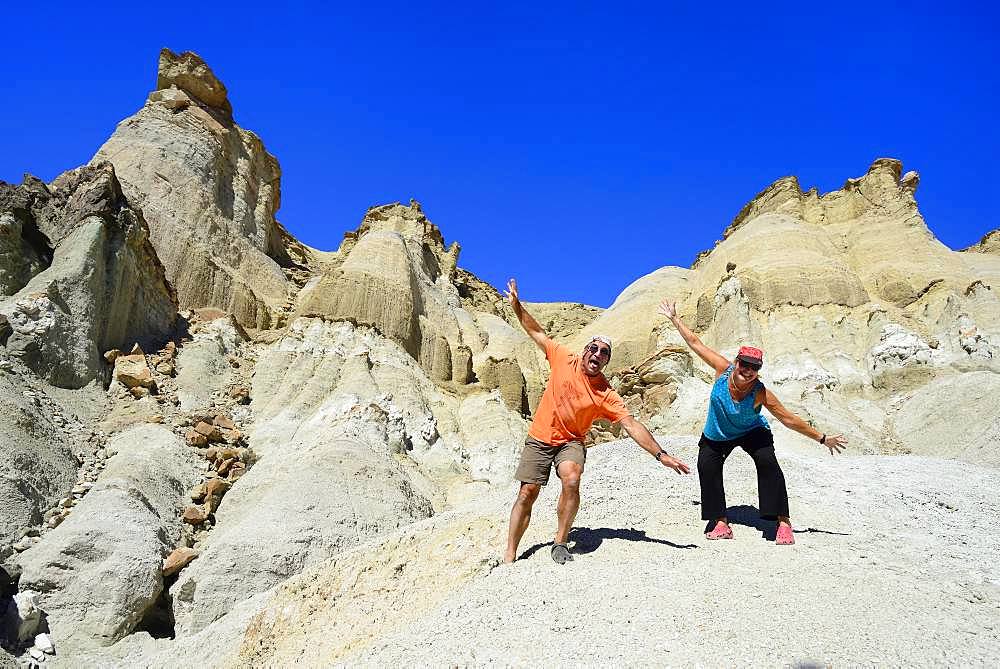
(576, 395)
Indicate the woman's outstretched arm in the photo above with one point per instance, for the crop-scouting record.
(834, 442)
(711, 357)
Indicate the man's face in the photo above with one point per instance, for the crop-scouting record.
(745, 372)
(596, 355)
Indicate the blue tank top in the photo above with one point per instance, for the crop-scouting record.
(728, 419)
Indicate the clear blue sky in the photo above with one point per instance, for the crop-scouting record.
(576, 146)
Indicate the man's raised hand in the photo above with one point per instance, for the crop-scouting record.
(511, 292)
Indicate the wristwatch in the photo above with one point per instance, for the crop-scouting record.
(657, 456)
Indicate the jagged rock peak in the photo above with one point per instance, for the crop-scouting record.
(189, 73)
(408, 221)
(883, 189)
(990, 243)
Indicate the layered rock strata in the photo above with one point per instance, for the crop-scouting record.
(852, 328)
(395, 274)
(209, 190)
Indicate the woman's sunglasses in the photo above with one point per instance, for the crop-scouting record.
(749, 365)
(600, 351)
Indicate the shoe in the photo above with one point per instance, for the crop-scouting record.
(784, 537)
(561, 554)
(720, 531)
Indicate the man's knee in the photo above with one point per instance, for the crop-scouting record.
(528, 493)
(569, 474)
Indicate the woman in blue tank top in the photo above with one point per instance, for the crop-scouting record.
(734, 420)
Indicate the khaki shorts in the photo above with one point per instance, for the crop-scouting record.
(537, 458)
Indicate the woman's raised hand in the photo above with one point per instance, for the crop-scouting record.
(668, 308)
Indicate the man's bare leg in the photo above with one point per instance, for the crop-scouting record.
(520, 516)
(569, 499)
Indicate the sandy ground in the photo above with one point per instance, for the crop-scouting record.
(895, 563)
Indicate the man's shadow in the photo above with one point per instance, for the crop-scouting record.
(749, 516)
(584, 540)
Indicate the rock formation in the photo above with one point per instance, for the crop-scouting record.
(310, 462)
(89, 280)
(209, 191)
(852, 327)
(395, 274)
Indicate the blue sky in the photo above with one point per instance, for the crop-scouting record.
(575, 146)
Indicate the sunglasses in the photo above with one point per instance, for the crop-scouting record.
(749, 365)
(600, 351)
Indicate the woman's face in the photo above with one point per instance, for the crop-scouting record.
(745, 372)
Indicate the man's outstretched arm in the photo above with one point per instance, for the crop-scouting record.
(642, 436)
(528, 321)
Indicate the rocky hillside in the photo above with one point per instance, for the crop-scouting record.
(221, 446)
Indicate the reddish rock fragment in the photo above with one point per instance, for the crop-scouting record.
(194, 515)
(209, 430)
(224, 466)
(180, 558)
(216, 488)
(194, 438)
(224, 421)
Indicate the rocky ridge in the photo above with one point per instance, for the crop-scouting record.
(323, 440)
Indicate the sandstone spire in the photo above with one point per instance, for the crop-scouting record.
(209, 191)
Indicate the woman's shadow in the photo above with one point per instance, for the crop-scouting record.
(749, 516)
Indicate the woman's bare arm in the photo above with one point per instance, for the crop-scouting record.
(834, 442)
(711, 357)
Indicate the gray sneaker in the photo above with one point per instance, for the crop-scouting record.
(561, 554)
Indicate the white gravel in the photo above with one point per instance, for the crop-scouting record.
(895, 564)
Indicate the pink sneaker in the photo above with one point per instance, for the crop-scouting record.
(720, 531)
(784, 537)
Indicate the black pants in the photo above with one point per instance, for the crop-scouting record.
(759, 444)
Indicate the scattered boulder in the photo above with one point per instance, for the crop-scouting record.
(44, 644)
(20, 617)
(99, 572)
(133, 372)
(195, 438)
(209, 431)
(224, 422)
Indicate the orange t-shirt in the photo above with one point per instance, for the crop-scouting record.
(572, 400)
